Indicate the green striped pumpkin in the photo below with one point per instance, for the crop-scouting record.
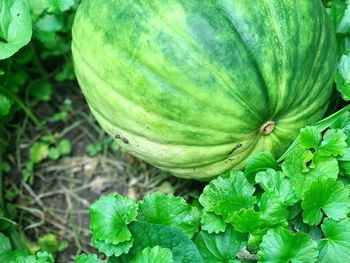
(196, 87)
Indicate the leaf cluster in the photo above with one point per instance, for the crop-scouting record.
(291, 211)
(339, 11)
(34, 57)
(13, 256)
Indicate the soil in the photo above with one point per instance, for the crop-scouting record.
(58, 199)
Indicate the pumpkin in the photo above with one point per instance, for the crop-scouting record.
(196, 87)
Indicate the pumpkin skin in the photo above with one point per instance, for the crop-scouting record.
(196, 87)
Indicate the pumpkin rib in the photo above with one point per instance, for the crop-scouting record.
(224, 80)
(317, 60)
(92, 71)
(245, 47)
(270, 7)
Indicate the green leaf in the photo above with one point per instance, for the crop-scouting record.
(344, 89)
(310, 138)
(112, 249)
(328, 196)
(247, 221)
(42, 91)
(54, 153)
(227, 194)
(171, 211)
(344, 68)
(344, 123)
(297, 161)
(212, 223)
(5, 105)
(49, 23)
(110, 216)
(302, 176)
(38, 152)
(279, 245)
(44, 257)
(320, 126)
(346, 156)
(324, 167)
(65, 147)
(335, 247)
(334, 143)
(5, 244)
(37, 7)
(50, 244)
(65, 73)
(255, 240)
(60, 5)
(84, 258)
(17, 256)
(150, 235)
(299, 225)
(343, 77)
(272, 208)
(275, 182)
(154, 255)
(258, 163)
(220, 248)
(344, 168)
(93, 149)
(16, 26)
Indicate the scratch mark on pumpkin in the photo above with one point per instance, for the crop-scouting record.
(235, 149)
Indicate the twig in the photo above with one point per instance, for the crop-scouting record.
(31, 192)
(245, 255)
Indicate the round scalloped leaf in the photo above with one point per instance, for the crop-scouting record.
(45, 257)
(16, 26)
(170, 211)
(221, 247)
(279, 245)
(334, 143)
(84, 258)
(302, 176)
(328, 196)
(153, 255)
(272, 209)
(212, 223)
(247, 221)
(17, 256)
(150, 235)
(110, 216)
(335, 247)
(5, 105)
(276, 182)
(110, 249)
(5, 244)
(310, 137)
(227, 194)
(258, 163)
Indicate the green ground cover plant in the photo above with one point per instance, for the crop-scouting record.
(294, 209)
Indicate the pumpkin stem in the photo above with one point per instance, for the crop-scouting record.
(267, 128)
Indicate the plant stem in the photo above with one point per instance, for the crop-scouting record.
(29, 113)
(36, 60)
(245, 255)
(7, 72)
(17, 238)
(1, 187)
